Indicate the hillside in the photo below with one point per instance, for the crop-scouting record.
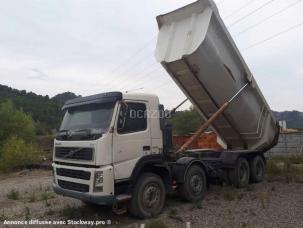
(294, 119)
(45, 111)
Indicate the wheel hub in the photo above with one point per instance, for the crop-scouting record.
(151, 195)
(196, 184)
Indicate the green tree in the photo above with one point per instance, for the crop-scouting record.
(17, 154)
(186, 122)
(14, 122)
(44, 110)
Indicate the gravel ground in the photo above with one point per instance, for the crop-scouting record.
(269, 204)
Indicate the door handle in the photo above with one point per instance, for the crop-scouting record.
(146, 148)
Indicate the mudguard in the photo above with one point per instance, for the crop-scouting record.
(182, 165)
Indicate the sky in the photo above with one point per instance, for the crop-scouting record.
(94, 46)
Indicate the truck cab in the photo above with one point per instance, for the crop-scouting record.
(101, 141)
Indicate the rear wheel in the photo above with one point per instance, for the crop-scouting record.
(195, 184)
(257, 167)
(239, 176)
(148, 196)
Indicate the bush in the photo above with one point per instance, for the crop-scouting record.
(274, 167)
(15, 123)
(288, 168)
(186, 122)
(17, 132)
(17, 154)
(13, 195)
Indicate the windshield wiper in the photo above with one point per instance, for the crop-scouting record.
(61, 132)
(88, 131)
(93, 133)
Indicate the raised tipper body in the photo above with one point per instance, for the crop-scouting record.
(198, 52)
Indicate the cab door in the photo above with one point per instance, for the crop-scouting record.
(131, 137)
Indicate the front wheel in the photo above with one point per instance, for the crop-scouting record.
(148, 197)
(195, 184)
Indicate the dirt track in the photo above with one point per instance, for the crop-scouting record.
(274, 204)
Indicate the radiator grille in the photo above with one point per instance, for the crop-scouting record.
(78, 174)
(74, 153)
(73, 186)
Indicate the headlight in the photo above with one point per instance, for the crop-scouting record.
(98, 178)
(98, 181)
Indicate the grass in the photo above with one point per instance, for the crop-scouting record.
(173, 214)
(27, 213)
(47, 195)
(284, 159)
(33, 197)
(156, 223)
(3, 216)
(68, 212)
(198, 204)
(50, 212)
(243, 225)
(76, 212)
(47, 189)
(38, 196)
(176, 217)
(173, 211)
(287, 168)
(294, 159)
(13, 195)
(47, 203)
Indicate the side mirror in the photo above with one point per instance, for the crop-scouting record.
(168, 114)
(122, 116)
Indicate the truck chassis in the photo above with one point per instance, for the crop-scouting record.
(190, 175)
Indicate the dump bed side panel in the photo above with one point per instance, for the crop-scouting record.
(198, 52)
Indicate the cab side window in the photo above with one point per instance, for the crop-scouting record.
(132, 118)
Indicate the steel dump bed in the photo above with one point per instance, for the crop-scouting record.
(196, 49)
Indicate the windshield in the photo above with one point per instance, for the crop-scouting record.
(88, 117)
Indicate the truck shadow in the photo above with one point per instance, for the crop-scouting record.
(106, 214)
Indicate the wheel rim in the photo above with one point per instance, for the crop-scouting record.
(151, 196)
(196, 184)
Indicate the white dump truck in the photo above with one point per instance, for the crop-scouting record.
(116, 148)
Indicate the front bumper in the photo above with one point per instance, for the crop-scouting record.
(83, 187)
(100, 200)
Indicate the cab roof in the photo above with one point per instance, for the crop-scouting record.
(106, 98)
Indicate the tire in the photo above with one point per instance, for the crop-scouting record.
(148, 196)
(195, 185)
(257, 167)
(240, 176)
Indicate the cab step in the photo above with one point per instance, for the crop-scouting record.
(123, 197)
